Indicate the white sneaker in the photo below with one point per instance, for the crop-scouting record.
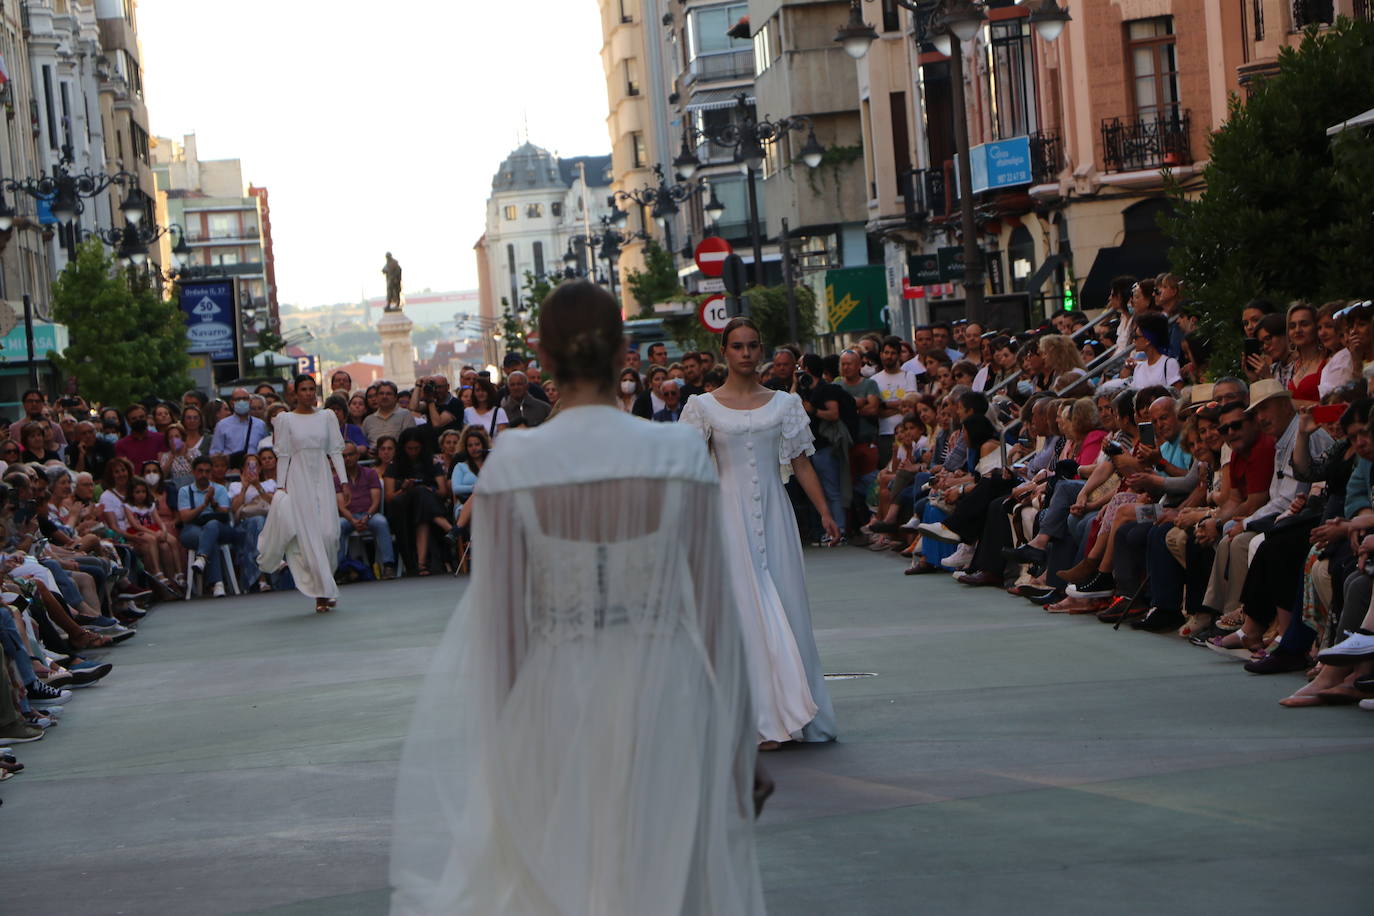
(938, 531)
(217, 590)
(912, 523)
(1355, 647)
(960, 559)
(1367, 704)
(198, 564)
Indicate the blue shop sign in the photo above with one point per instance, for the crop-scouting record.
(14, 346)
(211, 325)
(1003, 164)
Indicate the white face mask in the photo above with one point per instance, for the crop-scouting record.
(152, 479)
(627, 386)
(868, 371)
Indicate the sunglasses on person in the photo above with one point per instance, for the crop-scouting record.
(1232, 427)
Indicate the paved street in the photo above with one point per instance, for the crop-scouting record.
(241, 760)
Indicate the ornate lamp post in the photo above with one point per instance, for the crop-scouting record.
(65, 191)
(132, 240)
(584, 247)
(663, 200)
(947, 24)
(748, 137)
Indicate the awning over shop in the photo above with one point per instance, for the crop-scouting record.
(1360, 120)
(1144, 257)
(713, 99)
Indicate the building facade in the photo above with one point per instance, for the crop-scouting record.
(226, 225)
(541, 207)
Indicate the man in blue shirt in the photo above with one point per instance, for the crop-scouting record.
(240, 433)
(203, 508)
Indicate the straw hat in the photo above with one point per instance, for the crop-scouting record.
(1266, 389)
(1195, 397)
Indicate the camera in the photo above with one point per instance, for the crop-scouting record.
(1112, 449)
(804, 380)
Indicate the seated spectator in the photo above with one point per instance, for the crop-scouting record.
(205, 524)
(250, 499)
(156, 546)
(360, 502)
(164, 415)
(88, 453)
(671, 393)
(176, 461)
(351, 432)
(221, 465)
(33, 438)
(450, 452)
(1149, 365)
(413, 485)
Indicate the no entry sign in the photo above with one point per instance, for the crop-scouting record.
(711, 255)
(713, 314)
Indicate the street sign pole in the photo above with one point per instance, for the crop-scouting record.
(789, 285)
(736, 278)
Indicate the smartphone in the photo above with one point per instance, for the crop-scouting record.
(1328, 413)
(1252, 346)
(1147, 433)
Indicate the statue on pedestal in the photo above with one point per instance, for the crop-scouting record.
(392, 272)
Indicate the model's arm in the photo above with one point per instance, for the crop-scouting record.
(811, 486)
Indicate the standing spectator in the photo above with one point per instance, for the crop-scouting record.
(389, 418)
(894, 385)
(672, 402)
(1150, 366)
(551, 392)
(630, 387)
(783, 374)
(140, 444)
(340, 383)
(835, 426)
(241, 432)
(691, 375)
(357, 409)
(36, 411)
(434, 401)
(514, 362)
(658, 354)
(203, 509)
(650, 400)
(360, 503)
(520, 406)
(89, 453)
(486, 410)
(632, 360)
(942, 339)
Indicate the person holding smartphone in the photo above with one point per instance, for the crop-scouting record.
(1149, 365)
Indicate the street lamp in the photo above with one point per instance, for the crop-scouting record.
(713, 208)
(856, 35)
(585, 247)
(131, 241)
(947, 24)
(748, 137)
(65, 190)
(664, 199)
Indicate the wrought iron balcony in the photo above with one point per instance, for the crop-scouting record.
(1151, 142)
(1047, 156)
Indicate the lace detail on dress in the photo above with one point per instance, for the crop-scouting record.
(695, 416)
(797, 439)
(575, 588)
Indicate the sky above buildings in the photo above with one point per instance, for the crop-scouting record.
(375, 126)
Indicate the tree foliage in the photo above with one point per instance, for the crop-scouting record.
(127, 342)
(657, 282)
(768, 309)
(1286, 213)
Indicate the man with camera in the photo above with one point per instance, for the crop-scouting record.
(432, 399)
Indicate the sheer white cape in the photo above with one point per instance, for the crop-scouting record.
(584, 743)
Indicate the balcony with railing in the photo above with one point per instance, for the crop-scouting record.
(223, 236)
(1047, 156)
(727, 65)
(926, 193)
(1146, 142)
(1313, 12)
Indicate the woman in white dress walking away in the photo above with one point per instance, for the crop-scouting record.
(755, 433)
(303, 524)
(584, 744)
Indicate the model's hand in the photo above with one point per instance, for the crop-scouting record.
(833, 530)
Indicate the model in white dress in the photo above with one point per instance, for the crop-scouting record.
(751, 449)
(584, 744)
(303, 524)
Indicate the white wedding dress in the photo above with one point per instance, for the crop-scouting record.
(752, 449)
(302, 525)
(584, 743)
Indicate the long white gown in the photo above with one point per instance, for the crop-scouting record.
(303, 523)
(584, 743)
(751, 449)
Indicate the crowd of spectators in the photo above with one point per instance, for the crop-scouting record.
(1091, 467)
(105, 511)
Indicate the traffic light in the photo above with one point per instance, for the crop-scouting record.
(1069, 302)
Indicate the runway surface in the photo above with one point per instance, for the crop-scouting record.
(242, 756)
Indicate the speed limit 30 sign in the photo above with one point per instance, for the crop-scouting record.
(713, 313)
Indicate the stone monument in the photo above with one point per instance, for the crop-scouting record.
(398, 350)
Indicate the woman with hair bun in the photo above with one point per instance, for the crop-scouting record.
(584, 742)
(753, 432)
(302, 525)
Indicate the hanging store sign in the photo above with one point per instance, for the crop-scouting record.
(210, 323)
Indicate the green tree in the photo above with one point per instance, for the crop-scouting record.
(512, 331)
(657, 282)
(536, 290)
(127, 342)
(767, 307)
(1286, 211)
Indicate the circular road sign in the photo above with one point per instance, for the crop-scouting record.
(713, 314)
(711, 255)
